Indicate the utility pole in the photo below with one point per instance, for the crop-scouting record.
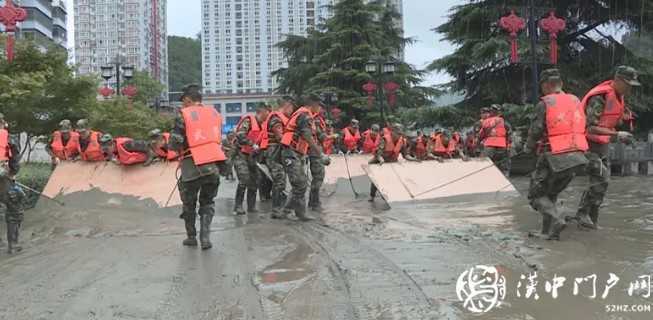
(532, 27)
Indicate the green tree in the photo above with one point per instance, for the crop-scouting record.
(148, 89)
(588, 55)
(333, 57)
(185, 62)
(120, 118)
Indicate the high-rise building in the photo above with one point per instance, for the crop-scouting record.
(45, 23)
(134, 31)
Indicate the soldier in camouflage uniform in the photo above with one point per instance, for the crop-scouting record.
(272, 154)
(229, 148)
(499, 155)
(11, 195)
(316, 162)
(598, 169)
(382, 156)
(245, 159)
(300, 128)
(553, 172)
(198, 183)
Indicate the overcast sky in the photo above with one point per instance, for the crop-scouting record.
(420, 16)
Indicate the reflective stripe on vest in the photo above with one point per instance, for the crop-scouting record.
(203, 134)
(126, 157)
(68, 151)
(565, 123)
(93, 150)
(392, 150)
(254, 134)
(291, 138)
(351, 140)
(613, 111)
(265, 128)
(497, 132)
(5, 150)
(369, 143)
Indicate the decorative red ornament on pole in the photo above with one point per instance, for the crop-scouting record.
(513, 24)
(130, 91)
(10, 15)
(106, 92)
(553, 25)
(370, 87)
(390, 90)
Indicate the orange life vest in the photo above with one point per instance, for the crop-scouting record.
(351, 140)
(565, 123)
(166, 153)
(470, 143)
(613, 111)
(93, 150)
(126, 157)
(5, 149)
(496, 137)
(68, 151)
(369, 143)
(292, 140)
(420, 147)
(392, 150)
(203, 134)
(327, 144)
(439, 148)
(254, 134)
(265, 128)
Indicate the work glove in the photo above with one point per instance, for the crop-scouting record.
(340, 152)
(256, 148)
(326, 160)
(381, 160)
(287, 162)
(625, 137)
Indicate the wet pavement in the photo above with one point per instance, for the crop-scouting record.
(110, 257)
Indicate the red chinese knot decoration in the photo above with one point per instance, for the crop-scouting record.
(390, 90)
(105, 92)
(553, 25)
(370, 88)
(10, 15)
(512, 24)
(130, 91)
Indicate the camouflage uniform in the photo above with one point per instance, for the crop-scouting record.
(274, 163)
(501, 156)
(228, 148)
(294, 164)
(317, 170)
(197, 183)
(380, 155)
(246, 170)
(552, 175)
(12, 196)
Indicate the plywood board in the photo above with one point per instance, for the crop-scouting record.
(340, 163)
(412, 181)
(155, 182)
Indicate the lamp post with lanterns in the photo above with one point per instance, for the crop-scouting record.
(380, 69)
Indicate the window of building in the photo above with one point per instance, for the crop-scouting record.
(251, 107)
(234, 107)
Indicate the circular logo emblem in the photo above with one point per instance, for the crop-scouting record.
(481, 289)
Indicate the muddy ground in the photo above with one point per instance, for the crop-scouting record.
(111, 257)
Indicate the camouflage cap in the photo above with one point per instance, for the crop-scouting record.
(263, 106)
(314, 98)
(496, 108)
(65, 125)
(628, 75)
(398, 127)
(485, 110)
(550, 75)
(375, 127)
(154, 133)
(354, 123)
(82, 124)
(106, 138)
(190, 90)
(287, 99)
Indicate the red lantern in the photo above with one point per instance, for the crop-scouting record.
(106, 92)
(390, 90)
(370, 88)
(513, 24)
(553, 25)
(10, 15)
(130, 91)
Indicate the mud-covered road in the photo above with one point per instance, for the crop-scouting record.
(109, 257)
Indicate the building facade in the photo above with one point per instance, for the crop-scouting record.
(131, 31)
(45, 23)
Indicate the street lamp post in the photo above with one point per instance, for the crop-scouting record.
(114, 69)
(329, 99)
(379, 69)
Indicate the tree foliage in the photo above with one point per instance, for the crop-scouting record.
(589, 52)
(185, 61)
(333, 57)
(120, 118)
(148, 89)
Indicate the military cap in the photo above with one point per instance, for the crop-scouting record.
(288, 99)
(155, 133)
(550, 75)
(485, 110)
(398, 127)
(329, 122)
(65, 126)
(106, 138)
(314, 98)
(189, 90)
(628, 75)
(355, 123)
(496, 107)
(375, 127)
(82, 124)
(263, 106)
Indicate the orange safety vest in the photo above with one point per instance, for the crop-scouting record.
(254, 134)
(289, 139)
(166, 153)
(369, 143)
(420, 147)
(565, 123)
(203, 134)
(5, 149)
(392, 150)
(68, 151)
(497, 136)
(265, 128)
(327, 144)
(351, 140)
(440, 149)
(93, 150)
(613, 111)
(125, 157)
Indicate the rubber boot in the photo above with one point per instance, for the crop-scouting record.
(205, 231)
(373, 190)
(594, 216)
(284, 208)
(10, 236)
(251, 201)
(546, 224)
(191, 232)
(559, 224)
(583, 215)
(300, 212)
(238, 201)
(316, 204)
(13, 230)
